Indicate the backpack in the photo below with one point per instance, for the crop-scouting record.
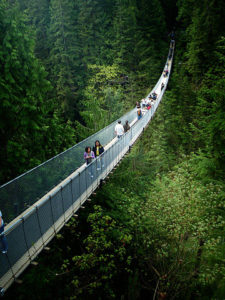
(139, 112)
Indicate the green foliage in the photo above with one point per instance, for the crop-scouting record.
(29, 122)
(38, 17)
(102, 96)
(103, 258)
(95, 31)
(211, 112)
(196, 98)
(177, 227)
(64, 56)
(203, 30)
(183, 230)
(125, 26)
(160, 229)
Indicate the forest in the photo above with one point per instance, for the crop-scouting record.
(156, 229)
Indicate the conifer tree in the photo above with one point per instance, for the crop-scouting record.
(95, 31)
(125, 27)
(152, 32)
(30, 128)
(38, 16)
(64, 64)
(203, 30)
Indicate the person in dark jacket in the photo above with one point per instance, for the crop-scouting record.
(98, 150)
(126, 126)
(154, 96)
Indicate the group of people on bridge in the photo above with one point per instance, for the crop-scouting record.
(121, 129)
(146, 104)
(93, 153)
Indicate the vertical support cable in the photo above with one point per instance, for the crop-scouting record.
(85, 173)
(72, 196)
(124, 143)
(107, 166)
(11, 268)
(122, 147)
(117, 151)
(113, 155)
(25, 238)
(97, 173)
(94, 177)
(131, 133)
(111, 159)
(79, 189)
(108, 161)
(102, 167)
(61, 188)
(39, 225)
(53, 221)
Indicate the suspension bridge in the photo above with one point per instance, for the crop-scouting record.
(37, 204)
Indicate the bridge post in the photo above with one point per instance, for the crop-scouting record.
(79, 188)
(53, 221)
(25, 238)
(71, 188)
(39, 225)
(61, 188)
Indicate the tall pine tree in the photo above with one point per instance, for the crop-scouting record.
(30, 128)
(64, 63)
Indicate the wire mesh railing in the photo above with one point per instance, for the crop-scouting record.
(19, 194)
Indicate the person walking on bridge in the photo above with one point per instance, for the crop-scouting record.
(98, 150)
(154, 96)
(126, 126)
(139, 113)
(119, 130)
(88, 157)
(4, 245)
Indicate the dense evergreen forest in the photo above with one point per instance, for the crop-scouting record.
(68, 68)
(64, 71)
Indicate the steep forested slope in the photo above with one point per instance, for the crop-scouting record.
(197, 98)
